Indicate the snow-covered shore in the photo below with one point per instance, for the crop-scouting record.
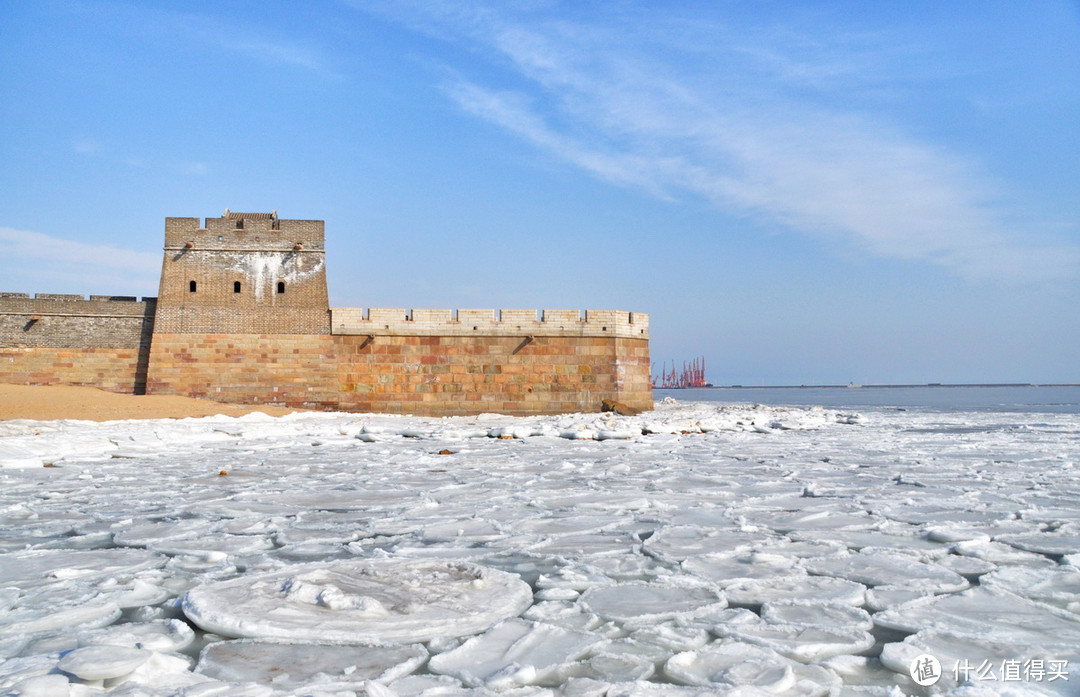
(695, 549)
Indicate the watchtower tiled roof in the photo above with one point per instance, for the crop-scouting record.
(250, 216)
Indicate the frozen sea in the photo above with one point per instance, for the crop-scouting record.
(853, 545)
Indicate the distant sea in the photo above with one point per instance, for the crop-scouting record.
(1059, 399)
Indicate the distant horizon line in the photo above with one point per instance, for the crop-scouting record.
(857, 386)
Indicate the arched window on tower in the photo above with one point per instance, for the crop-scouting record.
(281, 287)
(191, 286)
(236, 286)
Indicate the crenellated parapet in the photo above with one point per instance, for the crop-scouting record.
(67, 305)
(245, 232)
(567, 323)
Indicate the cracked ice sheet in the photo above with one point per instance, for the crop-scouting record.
(810, 521)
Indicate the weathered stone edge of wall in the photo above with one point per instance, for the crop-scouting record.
(524, 323)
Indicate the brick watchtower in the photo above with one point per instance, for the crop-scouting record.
(243, 314)
(243, 273)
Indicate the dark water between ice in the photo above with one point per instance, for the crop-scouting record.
(1021, 399)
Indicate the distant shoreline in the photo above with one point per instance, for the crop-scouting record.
(872, 386)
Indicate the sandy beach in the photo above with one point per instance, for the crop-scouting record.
(49, 402)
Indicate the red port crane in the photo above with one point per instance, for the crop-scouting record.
(691, 375)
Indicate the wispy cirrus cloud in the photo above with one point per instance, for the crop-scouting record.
(765, 121)
(220, 29)
(32, 259)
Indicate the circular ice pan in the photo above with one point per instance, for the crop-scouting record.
(374, 601)
(877, 568)
(1052, 544)
(639, 602)
(745, 669)
(296, 665)
(796, 587)
(156, 635)
(817, 614)
(732, 665)
(807, 644)
(725, 569)
(677, 543)
(1058, 586)
(102, 662)
(35, 568)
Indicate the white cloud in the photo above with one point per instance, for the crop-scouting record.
(67, 266)
(754, 119)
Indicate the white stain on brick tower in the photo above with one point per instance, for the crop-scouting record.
(264, 270)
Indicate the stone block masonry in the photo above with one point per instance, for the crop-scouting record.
(296, 370)
(242, 316)
(102, 342)
(447, 375)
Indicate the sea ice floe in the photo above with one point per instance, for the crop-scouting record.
(985, 613)
(587, 545)
(147, 532)
(1000, 553)
(36, 568)
(863, 540)
(804, 643)
(676, 543)
(638, 603)
(102, 662)
(1052, 544)
(970, 568)
(994, 662)
(295, 665)
(736, 506)
(879, 567)
(156, 635)
(1058, 586)
(817, 614)
(34, 621)
(14, 456)
(752, 669)
(725, 569)
(376, 601)
(816, 524)
(515, 653)
(881, 598)
(555, 525)
(799, 586)
(867, 676)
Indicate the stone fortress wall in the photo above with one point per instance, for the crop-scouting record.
(242, 316)
(51, 338)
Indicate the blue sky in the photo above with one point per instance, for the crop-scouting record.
(801, 192)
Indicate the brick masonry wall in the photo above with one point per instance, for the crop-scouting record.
(282, 369)
(243, 276)
(116, 370)
(422, 375)
(50, 339)
(447, 375)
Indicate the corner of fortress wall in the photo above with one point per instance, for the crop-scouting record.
(242, 316)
